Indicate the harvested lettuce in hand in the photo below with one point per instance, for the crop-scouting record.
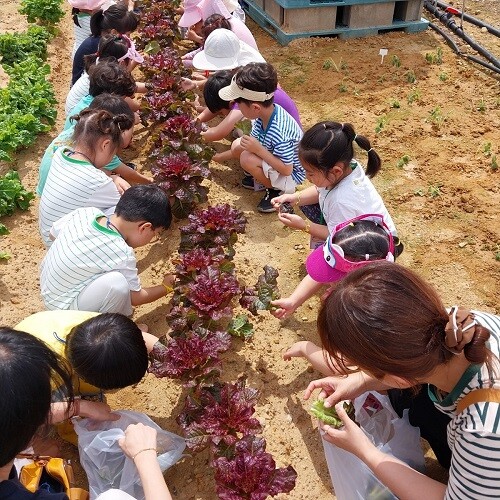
(329, 415)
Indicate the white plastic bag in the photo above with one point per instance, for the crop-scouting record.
(105, 463)
(351, 478)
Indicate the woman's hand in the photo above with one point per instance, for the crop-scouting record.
(138, 437)
(292, 220)
(284, 307)
(349, 437)
(336, 389)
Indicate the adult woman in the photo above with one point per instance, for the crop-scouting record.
(27, 369)
(387, 321)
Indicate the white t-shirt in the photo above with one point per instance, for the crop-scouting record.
(474, 434)
(82, 251)
(73, 184)
(81, 32)
(352, 196)
(79, 90)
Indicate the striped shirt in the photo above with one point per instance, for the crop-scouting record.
(82, 251)
(474, 434)
(73, 184)
(77, 92)
(281, 138)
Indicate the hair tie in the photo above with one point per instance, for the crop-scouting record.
(342, 127)
(367, 256)
(371, 149)
(355, 137)
(459, 330)
(324, 126)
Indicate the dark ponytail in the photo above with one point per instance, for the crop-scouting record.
(116, 17)
(328, 143)
(214, 22)
(110, 46)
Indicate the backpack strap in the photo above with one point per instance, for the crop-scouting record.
(489, 395)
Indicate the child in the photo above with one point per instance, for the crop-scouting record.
(116, 48)
(114, 18)
(108, 77)
(106, 351)
(196, 12)
(230, 111)
(75, 178)
(269, 154)
(393, 326)
(342, 189)
(91, 265)
(352, 244)
(116, 106)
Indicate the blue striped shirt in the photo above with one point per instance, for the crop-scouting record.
(281, 138)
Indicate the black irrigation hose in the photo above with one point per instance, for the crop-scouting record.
(455, 47)
(470, 19)
(446, 19)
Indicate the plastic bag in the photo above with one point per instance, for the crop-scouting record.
(351, 478)
(104, 461)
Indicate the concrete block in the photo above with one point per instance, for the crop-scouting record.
(311, 19)
(366, 16)
(408, 10)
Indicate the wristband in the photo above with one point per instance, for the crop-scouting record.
(298, 198)
(145, 449)
(307, 228)
(169, 289)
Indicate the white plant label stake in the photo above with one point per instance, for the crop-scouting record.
(382, 53)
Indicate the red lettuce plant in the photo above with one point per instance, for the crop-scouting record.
(219, 414)
(259, 298)
(210, 293)
(251, 472)
(214, 226)
(190, 263)
(181, 178)
(191, 358)
(182, 319)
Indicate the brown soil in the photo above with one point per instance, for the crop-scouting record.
(444, 202)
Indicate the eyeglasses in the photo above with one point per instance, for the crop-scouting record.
(334, 255)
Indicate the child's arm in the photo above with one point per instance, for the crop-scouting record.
(205, 116)
(131, 175)
(307, 196)
(132, 104)
(252, 145)
(288, 305)
(313, 353)
(61, 411)
(150, 340)
(297, 222)
(152, 293)
(224, 128)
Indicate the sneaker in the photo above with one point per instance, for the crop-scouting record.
(247, 182)
(265, 206)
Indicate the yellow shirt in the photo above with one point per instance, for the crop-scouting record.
(52, 327)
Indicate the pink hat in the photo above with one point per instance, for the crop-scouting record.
(89, 4)
(209, 7)
(192, 14)
(328, 264)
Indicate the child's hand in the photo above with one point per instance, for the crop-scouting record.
(292, 220)
(139, 438)
(284, 307)
(284, 198)
(187, 84)
(296, 351)
(169, 280)
(250, 144)
(96, 410)
(121, 184)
